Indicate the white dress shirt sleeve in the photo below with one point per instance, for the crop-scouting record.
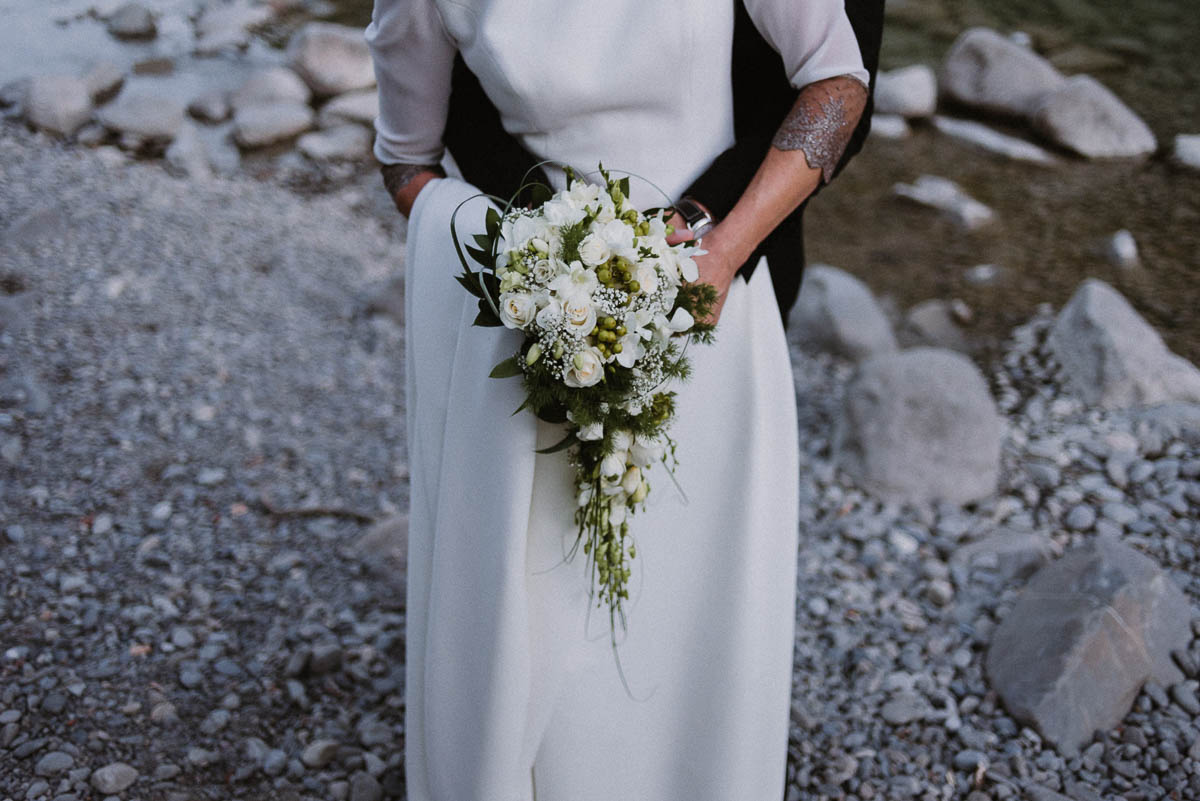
(814, 37)
(413, 58)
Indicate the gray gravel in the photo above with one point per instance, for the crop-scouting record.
(199, 419)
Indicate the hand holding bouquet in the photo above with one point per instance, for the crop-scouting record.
(606, 307)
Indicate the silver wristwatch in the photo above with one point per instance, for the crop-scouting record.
(699, 221)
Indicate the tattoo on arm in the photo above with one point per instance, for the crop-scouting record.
(822, 122)
(398, 176)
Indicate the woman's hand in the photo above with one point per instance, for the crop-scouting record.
(717, 265)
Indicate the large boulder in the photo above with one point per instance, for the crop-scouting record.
(347, 142)
(1112, 357)
(144, 114)
(269, 85)
(60, 104)
(227, 26)
(908, 91)
(989, 72)
(1083, 637)
(836, 312)
(332, 59)
(1083, 115)
(360, 107)
(268, 123)
(920, 426)
(933, 323)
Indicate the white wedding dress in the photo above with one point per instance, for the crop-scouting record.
(512, 690)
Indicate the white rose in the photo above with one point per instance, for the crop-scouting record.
(631, 480)
(516, 309)
(585, 370)
(544, 271)
(591, 432)
(579, 313)
(593, 251)
(612, 468)
(647, 277)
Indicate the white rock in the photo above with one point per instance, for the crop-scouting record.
(1187, 150)
(104, 79)
(907, 92)
(113, 778)
(1112, 357)
(837, 313)
(946, 196)
(332, 59)
(932, 322)
(983, 274)
(59, 104)
(347, 142)
(1084, 116)
(187, 156)
(223, 26)
(212, 106)
(890, 126)
(273, 84)
(920, 426)
(359, 107)
(143, 113)
(986, 71)
(1122, 250)
(132, 21)
(256, 126)
(993, 141)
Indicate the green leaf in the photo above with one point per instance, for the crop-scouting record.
(492, 222)
(483, 257)
(524, 405)
(561, 445)
(539, 194)
(470, 282)
(506, 369)
(624, 184)
(484, 241)
(486, 317)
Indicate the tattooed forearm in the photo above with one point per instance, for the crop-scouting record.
(822, 121)
(398, 176)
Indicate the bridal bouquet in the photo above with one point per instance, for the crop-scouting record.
(606, 307)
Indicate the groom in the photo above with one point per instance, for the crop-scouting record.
(495, 162)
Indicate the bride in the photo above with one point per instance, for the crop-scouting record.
(511, 689)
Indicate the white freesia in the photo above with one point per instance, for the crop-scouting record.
(687, 266)
(681, 320)
(622, 441)
(645, 451)
(631, 480)
(612, 468)
(516, 309)
(585, 369)
(594, 251)
(617, 513)
(617, 234)
(578, 280)
(591, 432)
(632, 349)
(561, 211)
(582, 194)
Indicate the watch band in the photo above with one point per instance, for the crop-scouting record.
(699, 221)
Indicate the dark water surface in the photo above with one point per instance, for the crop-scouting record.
(1051, 222)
